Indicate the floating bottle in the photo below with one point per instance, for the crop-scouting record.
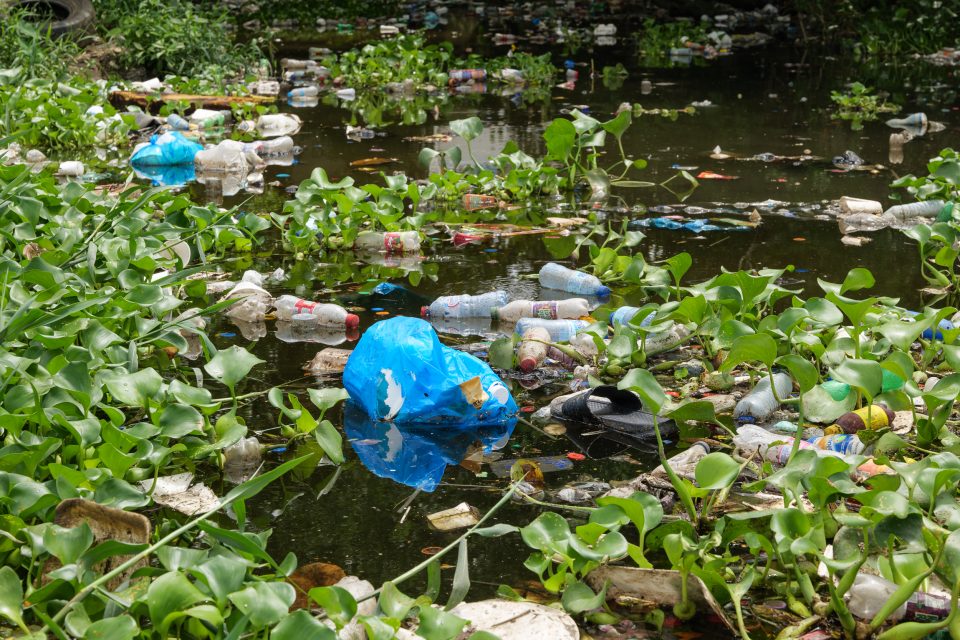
(685, 462)
(476, 202)
(869, 593)
(662, 341)
(533, 348)
(547, 310)
(274, 147)
(303, 92)
(327, 315)
(556, 276)
(465, 75)
(912, 121)
(388, 242)
(177, 122)
(559, 330)
(760, 403)
(624, 315)
(923, 209)
(273, 125)
(208, 118)
(465, 306)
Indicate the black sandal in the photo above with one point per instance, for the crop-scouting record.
(611, 408)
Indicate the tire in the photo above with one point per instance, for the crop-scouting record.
(63, 16)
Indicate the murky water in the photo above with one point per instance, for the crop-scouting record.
(769, 101)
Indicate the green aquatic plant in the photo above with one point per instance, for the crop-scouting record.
(860, 105)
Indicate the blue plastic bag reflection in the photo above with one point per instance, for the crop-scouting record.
(176, 175)
(416, 454)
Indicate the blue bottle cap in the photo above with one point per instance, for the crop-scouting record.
(603, 291)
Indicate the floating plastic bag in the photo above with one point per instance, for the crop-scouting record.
(168, 149)
(415, 454)
(400, 372)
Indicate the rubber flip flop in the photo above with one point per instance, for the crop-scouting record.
(611, 408)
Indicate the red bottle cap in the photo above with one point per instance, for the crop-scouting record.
(353, 321)
(528, 364)
(424, 312)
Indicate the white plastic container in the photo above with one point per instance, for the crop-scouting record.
(869, 593)
(533, 349)
(559, 330)
(206, 118)
(327, 315)
(465, 306)
(760, 403)
(850, 205)
(230, 156)
(71, 169)
(556, 276)
(548, 310)
(347, 94)
(389, 242)
(254, 302)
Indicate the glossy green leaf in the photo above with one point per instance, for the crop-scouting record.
(436, 624)
(266, 603)
(339, 605)
(231, 365)
(716, 470)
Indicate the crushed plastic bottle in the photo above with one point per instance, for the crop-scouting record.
(685, 462)
(533, 349)
(327, 315)
(229, 156)
(253, 302)
(559, 330)
(556, 276)
(389, 242)
(548, 310)
(869, 593)
(273, 147)
(273, 125)
(760, 403)
(923, 209)
(465, 306)
(624, 315)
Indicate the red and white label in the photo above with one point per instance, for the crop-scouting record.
(304, 305)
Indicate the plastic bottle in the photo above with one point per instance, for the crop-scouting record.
(389, 242)
(476, 202)
(465, 306)
(208, 118)
(347, 94)
(328, 315)
(909, 122)
(846, 444)
(533, 348)
(684, 462)
(559, 330)
(178, 123)
(760, 403)
(303, 92)
(548, 310)
(273, 147)
(660, 342)
(71, 168)
(556, 276)
(850, 205)
(292, 64)
(465, 75)
(229, 156)
(624, 315)
(869, 593)
(860, 222)
(874, 416)
(924, 209)
(512, 75)
(273, 125)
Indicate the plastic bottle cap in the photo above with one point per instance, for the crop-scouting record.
(603, 292)
(353, 321)
(424, 312)
(528, 364)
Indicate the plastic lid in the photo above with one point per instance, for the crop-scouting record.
(528, 364)
(603, 292)
(424, 312)
(353, 321)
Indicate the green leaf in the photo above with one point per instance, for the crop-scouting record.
(67, 544)
(716, 470)
(560, 136)
(800, 370)
(394, 602)
(578, 597)
(758, 347)
(376, 628)
(300, 625)
(618, 125)
(168, 594)
(461, 577)
(178, 420)
(330, 441)
(265, 603)
(500, 354)
(858, 278)
(338, 603)
(865, 375)
(223, 575)
(469, 128)
(134, 389)
(327, 398)
(427, 156)
(231, 365)
(11, 596)
(642, 382)
(439, 625)
(119, 628)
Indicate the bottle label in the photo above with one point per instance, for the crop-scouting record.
(544, 310)
(924, 607)
(392, 242)
(304, 305)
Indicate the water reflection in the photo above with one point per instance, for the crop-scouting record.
(417, 455)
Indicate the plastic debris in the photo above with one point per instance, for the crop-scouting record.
(571, 308)
(511, 620)
(329, 360)
(177, 493)
(170, 148)
(254, 302)
(458, 517)
(465, 306)
(760, 403)
(556, 276)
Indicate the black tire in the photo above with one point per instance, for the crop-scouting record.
(62, 16)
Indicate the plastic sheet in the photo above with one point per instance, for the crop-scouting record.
(401, 372)
(416, 454)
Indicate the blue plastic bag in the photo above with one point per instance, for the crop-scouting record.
(165, 150)
(400, 372)
(416, 455)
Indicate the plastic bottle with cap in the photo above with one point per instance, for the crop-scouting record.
(465, 306)
(303, 92)
(388, 242)
(327, 315)
(548, 310)
(177, 122)
(761, 403)
(559, 330)
(533, 349)
(556, 276)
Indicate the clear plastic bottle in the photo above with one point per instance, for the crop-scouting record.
(465, 306)
(389, 242)
(624, 315)
(548, 310)
(303, 92)
(556, 276)
(274, 147)
(533, 348)
(760, 403)
(663, 341)
(911, 121)
(869, 593)
(273, 125)
(844, 443)
(177, 122)
(230, 156)
(293, 64)
(559, 330)
(328, 315)
(684, 462)
(208, 118)
(347, 94)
